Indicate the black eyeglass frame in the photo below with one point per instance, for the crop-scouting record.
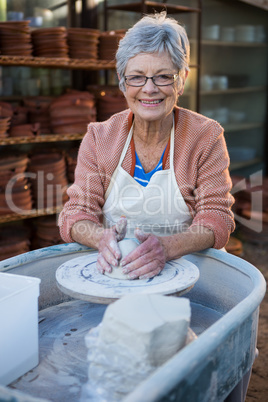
(175, 77)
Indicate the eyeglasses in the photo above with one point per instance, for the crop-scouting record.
(161, 80)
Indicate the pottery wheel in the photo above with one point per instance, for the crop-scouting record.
(80, 279)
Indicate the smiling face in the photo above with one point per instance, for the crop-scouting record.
(151, 102)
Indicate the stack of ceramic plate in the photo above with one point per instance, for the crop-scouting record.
(109, 104)
(15, 38)
(6, 109)
(244, 190)
(38, 112)
(25, 130)
(15, 192)
(241, 193)
(48, 179)
(83, 43)
(14, 240)
(20, 115)
(71, 159)
(72, 112)
(4, 126)
(50, 42)
(47, 232)
(108, 45)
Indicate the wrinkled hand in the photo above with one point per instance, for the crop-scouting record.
(147, 260)
(109, 252)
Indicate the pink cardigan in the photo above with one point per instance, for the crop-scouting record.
(200, 162)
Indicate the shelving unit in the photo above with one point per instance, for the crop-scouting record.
(43, 62)
(146, 7)
(41, 139)
(245, 58)
(217, 57)
(34, 213)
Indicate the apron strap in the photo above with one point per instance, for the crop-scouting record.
(171, 158)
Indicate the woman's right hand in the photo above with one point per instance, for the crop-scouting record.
(109, 252)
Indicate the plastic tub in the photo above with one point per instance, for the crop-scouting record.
(19, 325)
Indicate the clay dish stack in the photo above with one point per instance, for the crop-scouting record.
(49, 182)
(15, 192)
(6, 109)
(108, 45)
(15, 38)
(71, 159)
(50, 42)
(240, 191)
(25, 130)
(72, 112)
(4, 126)
(83, 43)
(20, 115)
(109, 103)
(47, 232)
(38, 112)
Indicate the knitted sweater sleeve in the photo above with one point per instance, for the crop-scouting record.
(86, 195)
(212, 198)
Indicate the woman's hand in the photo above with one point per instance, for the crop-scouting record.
(109, 252)
(147, 260)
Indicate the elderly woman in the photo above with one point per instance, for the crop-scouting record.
(155, 171)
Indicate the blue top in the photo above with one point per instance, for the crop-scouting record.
(140, 176)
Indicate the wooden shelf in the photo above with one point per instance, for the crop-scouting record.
(34, 213)
(244, 164)
(232, 44)
(231, 91)
(152, 6)
(53, 62)
(41, 139)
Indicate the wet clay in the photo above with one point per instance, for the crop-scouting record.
(126, 246)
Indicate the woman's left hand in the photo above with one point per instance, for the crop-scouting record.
(147, 260)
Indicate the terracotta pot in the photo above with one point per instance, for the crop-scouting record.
(69, 111)
(6, 109)
(25, 130)
(73, 98)
(83, 32)
(8, 245)
(49, 31)
(72, 128)
(15, 164)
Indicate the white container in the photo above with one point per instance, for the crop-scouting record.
(18, 326)
(245, 33)
(211, 32)
(228, 34)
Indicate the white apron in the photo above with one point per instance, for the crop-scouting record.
(158, 208)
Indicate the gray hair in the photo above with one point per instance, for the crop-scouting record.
(154, 33)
